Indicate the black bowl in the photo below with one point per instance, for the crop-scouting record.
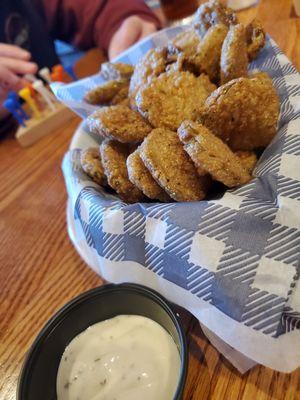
(38, 376)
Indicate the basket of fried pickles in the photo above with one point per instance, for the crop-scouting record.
(186, 116)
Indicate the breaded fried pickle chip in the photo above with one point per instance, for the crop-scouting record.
(263, 76)
(121, 97)
(208, 55)
(142, 179)
(186, 42)
(212, 13)
(179, 61)
(243, 112)
(91, 164)
(150, 66)
(234, 56)
(115, 71)
(248, 160)
(171, 167)
(173, 97)
(256, 38)
(104, 93)
(119, 123)
(114, 156)
(209, 153)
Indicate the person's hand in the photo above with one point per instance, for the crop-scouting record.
(14, 64)
(132, 30)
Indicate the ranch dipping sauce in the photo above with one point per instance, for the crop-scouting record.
(128, 357)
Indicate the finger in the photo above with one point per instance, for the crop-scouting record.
(127, 34)
(21, 83)
(121, 41)
(19, 67)
(148, 29)
(9, 80)
(3, 95)
(130, 31)
(7, 50)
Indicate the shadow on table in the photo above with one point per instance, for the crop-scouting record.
(212, 377)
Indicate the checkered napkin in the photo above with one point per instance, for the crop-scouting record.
(233, 261)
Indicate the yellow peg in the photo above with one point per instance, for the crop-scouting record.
(26, 95)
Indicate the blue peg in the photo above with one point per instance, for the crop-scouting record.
(13, 95)
(70, 71)
(15, 98)
(9, 104)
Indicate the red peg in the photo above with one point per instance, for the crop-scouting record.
(32, 91)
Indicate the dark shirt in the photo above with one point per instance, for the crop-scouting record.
(23, 26)
(34, 24)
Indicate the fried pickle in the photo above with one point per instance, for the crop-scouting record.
(186, 42)
(90, 161)
(181, 63)
(105, 93)
(256, 38)
(120, 123)
(211, 155)
(263, 76)
(116, 71)
(248, 160)
(212, 13)
(151, 65)
(234, 57)
(121, 97)
(114, 156)
(168, 163)
(173, 97)
(142, 179)
(243, 112)
(208, 55)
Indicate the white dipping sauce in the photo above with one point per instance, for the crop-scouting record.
(128, 357)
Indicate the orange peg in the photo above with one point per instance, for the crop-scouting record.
(55, 77)
(57, 68)
(58, 73)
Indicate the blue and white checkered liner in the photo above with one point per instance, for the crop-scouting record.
(239, 254)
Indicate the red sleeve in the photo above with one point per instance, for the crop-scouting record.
(89, 23)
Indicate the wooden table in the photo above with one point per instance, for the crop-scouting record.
(40, 270)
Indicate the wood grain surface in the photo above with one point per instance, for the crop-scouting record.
(40, 270)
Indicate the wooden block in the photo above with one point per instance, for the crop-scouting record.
(36, 128)
(297, 7)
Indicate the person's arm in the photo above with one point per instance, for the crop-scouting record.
(112, 25)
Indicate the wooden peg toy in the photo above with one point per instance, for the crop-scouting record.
(44, 92)
(58, 70)
(37, 128)
(48, 116)
(30, 77)
(35, 95)
(25, 95)
(32, 91)
(44, 73)
(15, 98)
(10, 106)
